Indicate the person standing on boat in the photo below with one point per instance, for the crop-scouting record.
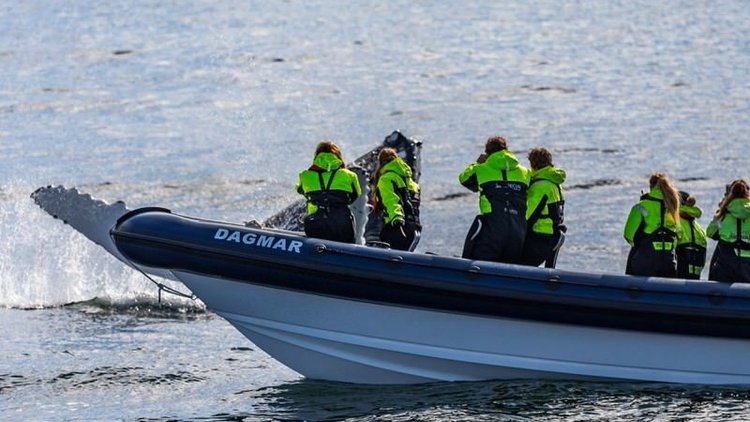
(329, 188)
(544, 211)
(691, 240)
(498, 232)
(396, 196)
(731, 228)
(651, 230)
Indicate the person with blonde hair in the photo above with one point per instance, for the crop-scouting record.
(651, 230)
(329, 188)
(730, 227)
(396, 197)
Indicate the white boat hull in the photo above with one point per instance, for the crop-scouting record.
(347, 340)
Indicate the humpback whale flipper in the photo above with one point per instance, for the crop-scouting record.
(91, 217)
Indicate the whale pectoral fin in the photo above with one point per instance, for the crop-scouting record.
(91, 217)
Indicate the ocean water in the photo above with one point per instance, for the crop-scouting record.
(212, 108)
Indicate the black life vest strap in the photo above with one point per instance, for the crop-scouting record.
(741, 244)
(738, 238)
(322, 199)
(641, 236)
(661, 214)
(741, 247)
(663, 230)
(640, 232)
(320, 181)
(537, 213)
(662, 227)
(692, 232)
(323, 186)
(409, 209)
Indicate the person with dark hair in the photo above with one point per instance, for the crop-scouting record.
(691, 240)
(498, 232)
(651, 230)
(329, 188)
(730, 227)
(544, 211)
(396, 196)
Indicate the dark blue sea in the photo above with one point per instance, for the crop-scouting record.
(212, 108)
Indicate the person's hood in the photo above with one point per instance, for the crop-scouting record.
(326, 161)
(502, 160)
(397, 166)
(690, 212)
(550, 173)
(739, 208)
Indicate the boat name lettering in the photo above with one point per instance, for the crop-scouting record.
(263, 240)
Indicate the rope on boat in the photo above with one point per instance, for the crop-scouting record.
(164, 287)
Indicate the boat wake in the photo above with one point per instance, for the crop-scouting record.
(143, 306)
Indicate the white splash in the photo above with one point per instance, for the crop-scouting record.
(45, 263)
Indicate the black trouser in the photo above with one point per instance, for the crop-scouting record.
(644, 260)
(537, 248)
(496, 237)
(726, 266)
(334, 223)
(373, 227)
(690, 261)
(399, 237)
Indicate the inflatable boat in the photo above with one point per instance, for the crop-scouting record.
(360, 314)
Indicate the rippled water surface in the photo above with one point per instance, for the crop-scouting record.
(211, 108)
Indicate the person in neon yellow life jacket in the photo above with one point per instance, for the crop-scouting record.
(396, 196)
(544, 211)
(498, 232)
(329, 188)
(730, 227)
(691, 240)
(651, 230)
